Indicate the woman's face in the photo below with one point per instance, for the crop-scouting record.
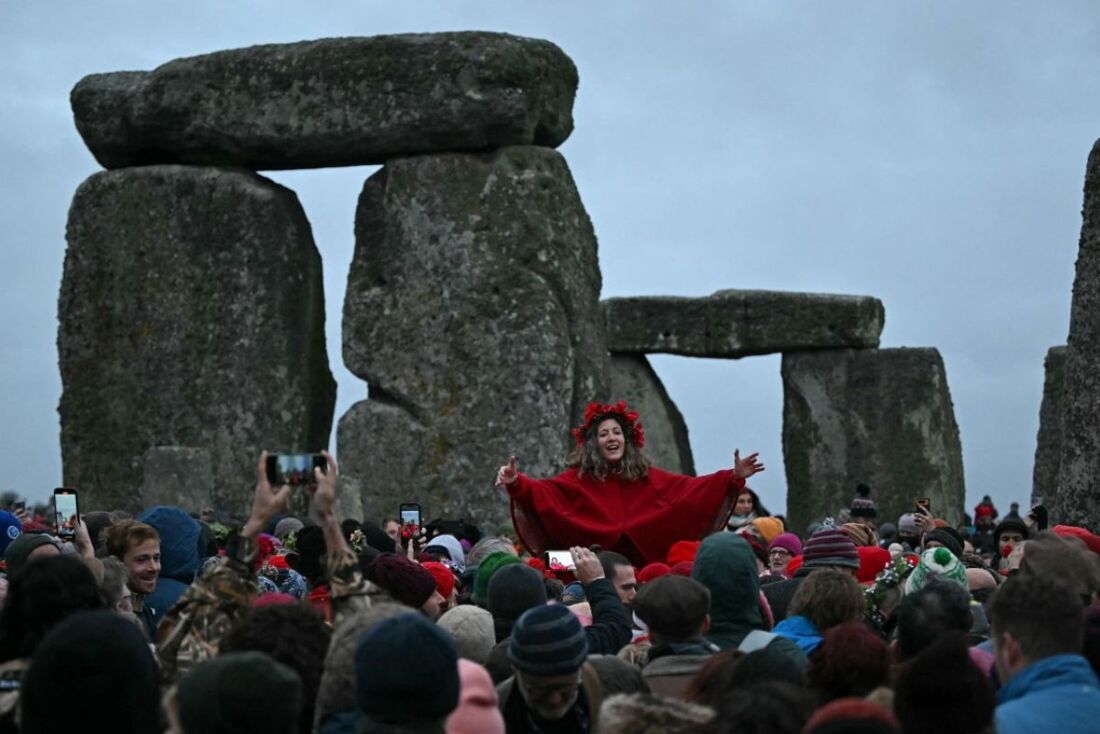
(778, 558)
(744, 504)
(610, 441)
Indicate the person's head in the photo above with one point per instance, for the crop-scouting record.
(40, 596)
(477, 711)
(936, 609)
(827, 598)
(485, 547)
(620, 572)
(292, 634)
(852, 716)
(942, 690)
(909, 529)
(407, 582)
(238, 691)
(772, 707)
(831, 548)
(513, 590)
(748, 503)
(392, 528)
(636, 713)
(1034, 617)
(617, 675)
(137, 545)
(98, 667)
(726, 566)
(711, 683)
(406, 672)
(1064, 559)
(115, 588)
(781, 550)
(948, 538)
(851, 661)
(472, 630)
(1009, 532)
(862, 509)
(547, 649)
(936, 563)
(29, 547)
(674, 608)
(610, 439)
(337, 689)
(489, 566)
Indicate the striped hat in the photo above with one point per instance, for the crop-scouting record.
(830, 547)
(936, 563)
(548, 640)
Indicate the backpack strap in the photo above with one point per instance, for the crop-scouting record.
(756, 640)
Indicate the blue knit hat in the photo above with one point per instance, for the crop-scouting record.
(548, 640)
(10, 529)
(406, 671)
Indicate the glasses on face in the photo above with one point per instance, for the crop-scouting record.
(779, 552)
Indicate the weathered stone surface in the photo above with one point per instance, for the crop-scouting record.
(332, 102)
(472, 311)
(736, 323)
(1079, 488)
(1048, 449)
(879, 417)
(178, 476)
(191, 314)
(666, 434)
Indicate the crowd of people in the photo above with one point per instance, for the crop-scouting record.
(194, 625)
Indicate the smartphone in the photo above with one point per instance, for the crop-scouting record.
(295, 470)
(409, 512)
(66, 512)
(924, 504)
(559, 559)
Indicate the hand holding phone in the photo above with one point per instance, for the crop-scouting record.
(294, 470)
(559, 560)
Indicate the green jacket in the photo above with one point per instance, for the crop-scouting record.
(726, 565)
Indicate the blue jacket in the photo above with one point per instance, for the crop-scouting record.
(1056, 694)
(179, 556)
(800, 631)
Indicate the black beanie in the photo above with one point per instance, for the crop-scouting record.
(377, 538)
(949, 538)
(406, 671)
(240, 691)
(513, 590)
(92, 672)
(308, 558)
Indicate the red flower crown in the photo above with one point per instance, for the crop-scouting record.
(595, 413)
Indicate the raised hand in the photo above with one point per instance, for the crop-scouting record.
(588, 567)
(507, 474)
(746, 467)
(324, 494)
(267, 502)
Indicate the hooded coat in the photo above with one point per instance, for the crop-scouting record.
(179, 556)
(1057, 694)
(726, 565)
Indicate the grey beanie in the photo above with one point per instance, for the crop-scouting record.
(16, 555)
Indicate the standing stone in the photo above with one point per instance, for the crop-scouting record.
(666, 434)
(735, 323)
(1048, 449)
(332, 102)
(178, 476)
(881, 417)
(472, 311)
(191, 314)
(1079, 488)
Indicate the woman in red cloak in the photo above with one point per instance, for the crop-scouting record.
(612, 497)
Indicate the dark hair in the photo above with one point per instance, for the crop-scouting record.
(673, 607)
(828, 597)
(617, 675)
(39, 596)
(942, 690)
(771, 707)
(1043, 614)
(610, 560)
(851, 661)
(765, 665)
(932, 611)
(711, 684)
(586, 458)
(757, 506)
(294, 635)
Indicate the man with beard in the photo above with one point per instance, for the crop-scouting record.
(137, 545)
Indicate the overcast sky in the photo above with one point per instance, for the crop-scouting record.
(929, 154)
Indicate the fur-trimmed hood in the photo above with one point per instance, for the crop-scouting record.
(642, 713)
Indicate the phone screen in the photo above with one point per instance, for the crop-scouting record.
(410, 514)
(559, 559)
(65, 512)
(295, 470)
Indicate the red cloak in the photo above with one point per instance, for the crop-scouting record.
(639, 519)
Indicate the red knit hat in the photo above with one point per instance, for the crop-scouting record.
(683, 568)
(444, 579)
(406, 581)
(836, 717)
(872, 561)
(652, 571)
(682, 550)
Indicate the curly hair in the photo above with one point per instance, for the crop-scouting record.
(586, 458)
(294, 635)
(828, 598)
(851, 661)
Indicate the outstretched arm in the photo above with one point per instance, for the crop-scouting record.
(745, 468)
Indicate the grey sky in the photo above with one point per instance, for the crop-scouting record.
(930, 154)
